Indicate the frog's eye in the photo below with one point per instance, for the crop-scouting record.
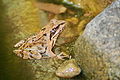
(52, 32)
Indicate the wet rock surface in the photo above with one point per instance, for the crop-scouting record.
(68, 69)
(98, 49)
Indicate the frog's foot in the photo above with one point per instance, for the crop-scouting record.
(19, 43)
(62, 55)
(18, 52)
(26, 55)
(23, 54)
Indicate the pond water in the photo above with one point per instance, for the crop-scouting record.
(11, 67)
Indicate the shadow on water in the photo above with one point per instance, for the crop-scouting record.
(11, 67)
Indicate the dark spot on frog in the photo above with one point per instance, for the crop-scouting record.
(31, 56)
(21, 52)
(43, 29)
(30, 45)
(45, 48)
(42, 45)
(45, 34)
(33, 40)
(43, 53)
(39, 48)
(23, 45)
(30, 50)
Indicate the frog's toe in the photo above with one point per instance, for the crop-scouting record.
(19, 43)
(18, 52)
(26, 55)
(62, 55)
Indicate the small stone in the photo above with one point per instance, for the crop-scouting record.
(68, 69)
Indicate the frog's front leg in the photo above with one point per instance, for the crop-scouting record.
(49, 53)
(18, 52)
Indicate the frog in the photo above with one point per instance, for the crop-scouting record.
(40, 45)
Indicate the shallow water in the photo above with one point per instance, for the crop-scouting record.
(11, 67)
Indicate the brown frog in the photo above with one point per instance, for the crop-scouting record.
(40, 45)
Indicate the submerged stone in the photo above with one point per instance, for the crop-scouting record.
(68, 69)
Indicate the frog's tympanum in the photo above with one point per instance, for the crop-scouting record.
(40, 45)
(68, 69)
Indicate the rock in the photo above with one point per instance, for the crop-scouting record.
(98, 49)
(68, 69)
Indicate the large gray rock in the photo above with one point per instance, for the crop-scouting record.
(98, 49)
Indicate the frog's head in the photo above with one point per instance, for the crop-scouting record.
(57, 28)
